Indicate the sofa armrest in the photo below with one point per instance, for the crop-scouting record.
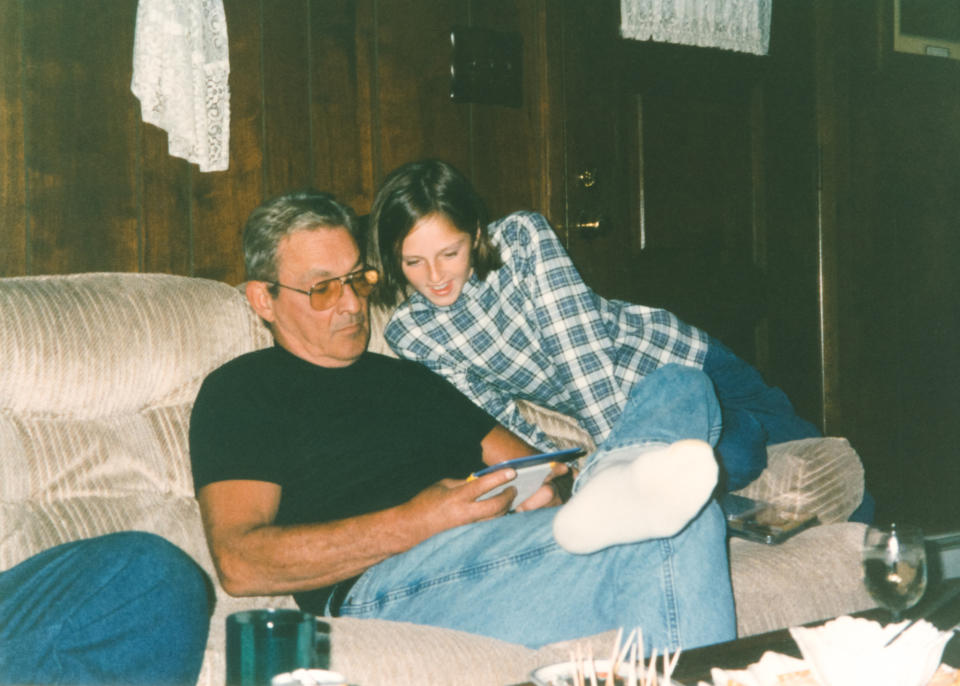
(819, 475)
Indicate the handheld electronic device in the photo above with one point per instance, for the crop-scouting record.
(531, 471)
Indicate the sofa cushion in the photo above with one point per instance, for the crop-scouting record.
(29, 527)
(414, 655)
(811, 576)
(48, 457)
(563, 430)
(819, 475)
(375, 651)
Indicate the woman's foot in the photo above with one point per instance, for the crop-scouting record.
(654, 496)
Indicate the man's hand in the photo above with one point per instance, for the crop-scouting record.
(553, 493)
(453, 502)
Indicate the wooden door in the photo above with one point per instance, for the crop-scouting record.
(693, 118)
(674, 145)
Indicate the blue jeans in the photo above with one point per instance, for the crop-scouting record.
(755, 415)
(507, 578)
(126, 608)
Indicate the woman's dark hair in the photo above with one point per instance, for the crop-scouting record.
(412, 192)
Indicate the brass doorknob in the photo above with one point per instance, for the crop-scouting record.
(588, 178)
(590, 225)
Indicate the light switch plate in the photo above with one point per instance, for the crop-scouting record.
(486, 66)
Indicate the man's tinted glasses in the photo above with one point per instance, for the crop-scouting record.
(325, 294)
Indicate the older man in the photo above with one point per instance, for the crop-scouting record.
(338, 475)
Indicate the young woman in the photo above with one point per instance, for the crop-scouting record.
(502, 312)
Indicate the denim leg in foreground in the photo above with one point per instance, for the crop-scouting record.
(127, 608)
(507, 578)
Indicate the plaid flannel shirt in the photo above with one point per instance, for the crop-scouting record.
(533, 329)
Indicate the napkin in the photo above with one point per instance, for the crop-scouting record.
(850, 652)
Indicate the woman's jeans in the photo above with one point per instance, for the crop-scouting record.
(508, 579)
(126, 608)
(755, 415)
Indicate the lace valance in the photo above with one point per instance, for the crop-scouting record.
(181, 67)
(741, 25)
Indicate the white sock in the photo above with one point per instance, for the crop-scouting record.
(654, 496)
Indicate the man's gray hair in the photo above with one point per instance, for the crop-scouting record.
(284, 215)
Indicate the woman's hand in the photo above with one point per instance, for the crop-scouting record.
(554, 492)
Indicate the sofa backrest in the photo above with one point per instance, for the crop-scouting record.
(99, 374)
(94, 345)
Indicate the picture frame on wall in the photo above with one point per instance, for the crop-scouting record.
(927, 27)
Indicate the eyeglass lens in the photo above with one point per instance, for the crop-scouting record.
(326, 293)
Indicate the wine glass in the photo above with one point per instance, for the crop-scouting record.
(895, 566)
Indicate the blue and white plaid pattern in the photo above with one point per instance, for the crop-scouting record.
(534, 330)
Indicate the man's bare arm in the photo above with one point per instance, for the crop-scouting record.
(253, 556)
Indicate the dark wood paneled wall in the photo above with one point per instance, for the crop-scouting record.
(325, 93)
(13, 236)
(892, 167)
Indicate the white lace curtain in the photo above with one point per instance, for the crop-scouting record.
(181, 67)
(741, 25)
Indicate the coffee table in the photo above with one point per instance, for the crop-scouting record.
(694, 665)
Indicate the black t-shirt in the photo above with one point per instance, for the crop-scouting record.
(340, 442)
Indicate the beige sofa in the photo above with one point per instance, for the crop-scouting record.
(99, 374)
